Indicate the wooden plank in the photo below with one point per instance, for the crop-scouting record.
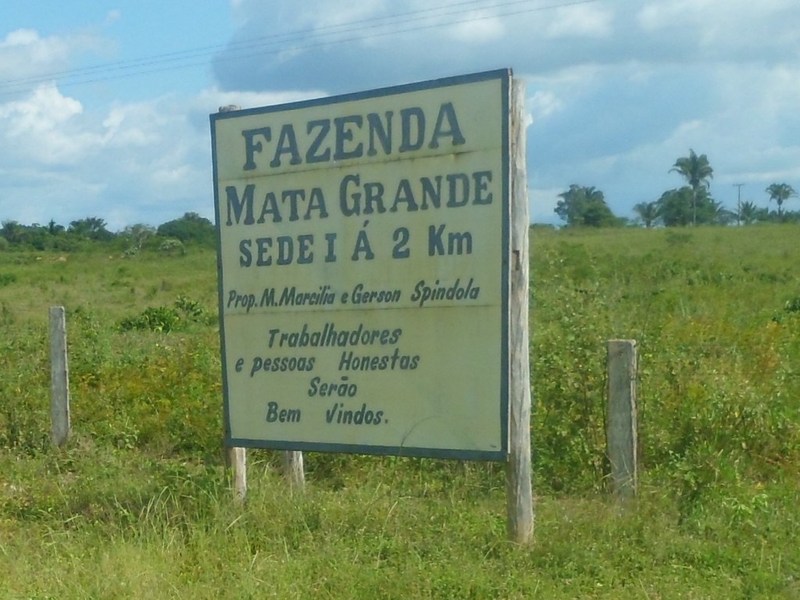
(519, 491)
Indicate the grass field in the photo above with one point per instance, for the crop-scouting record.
(138, 505)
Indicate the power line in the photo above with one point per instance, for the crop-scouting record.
(190, 54)
(298, 40)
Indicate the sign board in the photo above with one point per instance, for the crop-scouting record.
(364, 270)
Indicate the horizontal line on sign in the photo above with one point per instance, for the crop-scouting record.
(350, 310)
(401, 451)
(453, 157)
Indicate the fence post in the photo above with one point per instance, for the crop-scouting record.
(621, 428)
(59, 378)
(519, 491)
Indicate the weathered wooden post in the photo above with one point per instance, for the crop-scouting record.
(519, 492)
(622, 418)
(293, 469)
(59, 378)
(236, 457)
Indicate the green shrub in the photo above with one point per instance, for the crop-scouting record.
(172, 247)
(161, 318)
(168, 318)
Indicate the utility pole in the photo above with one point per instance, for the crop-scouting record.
(739, 203)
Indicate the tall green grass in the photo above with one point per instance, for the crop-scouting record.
(139, 504)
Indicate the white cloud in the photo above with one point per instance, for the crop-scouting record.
(144, 158)
(20, 37)
(130, 162)
(580, 21)
(733, 30)
(42, 127)
(310, 14)
(24, 54)
(330, 13)
(26, 57)
(575, 78)
(132, 126)
(477, 27)
(710, 14)
(113, 16)
(544, 103)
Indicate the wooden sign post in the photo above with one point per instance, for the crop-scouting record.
(519, 489)
(366, 270)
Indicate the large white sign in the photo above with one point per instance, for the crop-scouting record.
(363, 270)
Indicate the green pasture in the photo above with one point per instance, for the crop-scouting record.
(139, 505)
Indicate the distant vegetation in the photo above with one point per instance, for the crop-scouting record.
(692, 204)
(170, 238)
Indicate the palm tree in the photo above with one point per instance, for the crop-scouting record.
(780, 192)
(748, 212)
(696, 171)
(647, 212)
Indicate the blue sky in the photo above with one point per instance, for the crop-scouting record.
(104, 105)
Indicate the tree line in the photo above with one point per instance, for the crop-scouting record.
(579, 206)
(170, 237)
(690, 204)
